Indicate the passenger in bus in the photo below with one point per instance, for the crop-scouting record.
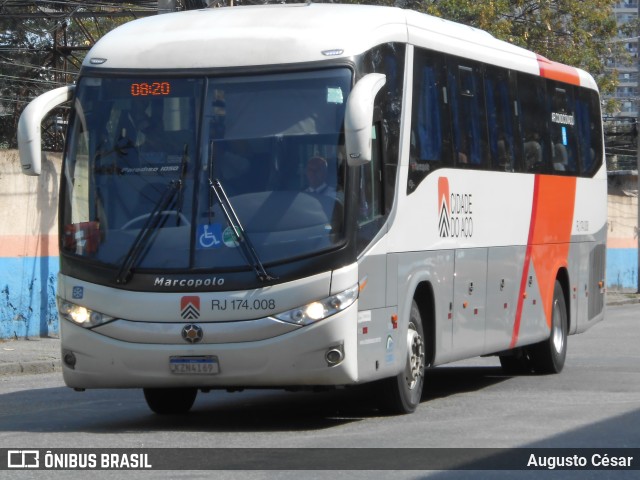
(560, 158)
(462, 158)
(532, 151)
(462, 149)
(504, 159)
(146, 136)
(316, 173)
(147, 133)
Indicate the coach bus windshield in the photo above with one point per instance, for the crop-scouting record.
(144, 153)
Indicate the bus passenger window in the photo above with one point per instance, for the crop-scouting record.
(371, 212)
(499, 120)
(588, 127)
(534, 128)
(468, 120)
(429, 135)
(430, 117)
(563, 137)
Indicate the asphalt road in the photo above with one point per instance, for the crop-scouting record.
(594, 403)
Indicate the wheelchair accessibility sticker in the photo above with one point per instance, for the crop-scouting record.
(209, 236)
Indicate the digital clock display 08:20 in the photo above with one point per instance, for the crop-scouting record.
(143, 89)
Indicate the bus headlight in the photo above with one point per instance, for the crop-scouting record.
(320, 309)
(81, 315)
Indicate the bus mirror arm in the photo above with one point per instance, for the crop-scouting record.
(29, 139)
(359, 118)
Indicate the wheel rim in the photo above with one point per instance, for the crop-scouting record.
(558, 335)
(415, 359)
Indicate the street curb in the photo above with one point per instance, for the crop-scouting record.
(624, 301)
(620, 303)
(24, 366)
(30, 368)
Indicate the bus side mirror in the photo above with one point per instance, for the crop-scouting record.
(359, 118)
(29, 140)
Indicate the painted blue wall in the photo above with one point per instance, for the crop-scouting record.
(28, 297)
(28, 286)
(622, 268)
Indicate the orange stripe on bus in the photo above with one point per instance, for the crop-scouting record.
(549, 240)
(558, 71)
(552, 236)
(527, 261)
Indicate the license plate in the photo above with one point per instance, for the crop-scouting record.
(206, 365)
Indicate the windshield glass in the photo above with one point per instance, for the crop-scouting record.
(273, 142)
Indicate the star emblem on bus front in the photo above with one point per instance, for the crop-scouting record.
(192, 333)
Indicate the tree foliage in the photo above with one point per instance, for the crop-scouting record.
(575, 32)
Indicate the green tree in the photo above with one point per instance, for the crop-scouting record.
(575, 32)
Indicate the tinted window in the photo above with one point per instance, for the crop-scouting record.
(532, 109)
(500, 119)
(470, 115)
(388, 59)
(564, 152)
(371, 212)
(589, 130)
(430, 140)
(468, 123)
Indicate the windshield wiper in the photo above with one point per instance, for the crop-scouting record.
(239, 231)
(153, 221)
(150, 226)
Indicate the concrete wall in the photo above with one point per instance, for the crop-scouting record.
(28, 248)
(29, 244)
(622, 238)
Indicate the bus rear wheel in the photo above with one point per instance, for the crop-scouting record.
(170, 401)
(549, 356)
(402, 394)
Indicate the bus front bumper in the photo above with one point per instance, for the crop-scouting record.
(297, 358)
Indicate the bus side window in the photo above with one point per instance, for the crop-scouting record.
(563, 137)
(534, 129)
(370, 203)
(589, 131)
(500, 120)
(430, 140)
(468, 120)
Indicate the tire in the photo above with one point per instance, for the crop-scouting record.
(170, 401)
(402, 394)
(549, 356)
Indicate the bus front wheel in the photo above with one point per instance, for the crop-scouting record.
(401, 394)
(170, 401)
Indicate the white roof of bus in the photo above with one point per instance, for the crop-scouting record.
(292, 33)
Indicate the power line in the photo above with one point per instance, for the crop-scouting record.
(31, 80)
(33, 67)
